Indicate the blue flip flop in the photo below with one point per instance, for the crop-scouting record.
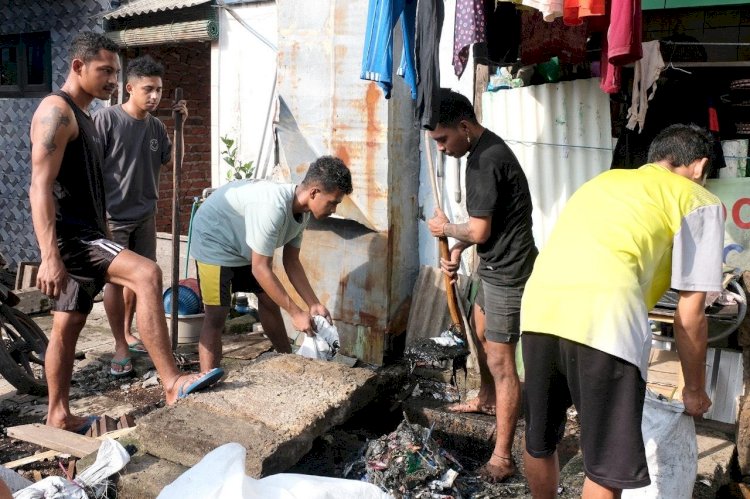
(90, 421)
(209, 378)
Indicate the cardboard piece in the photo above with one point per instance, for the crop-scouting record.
(665, 374)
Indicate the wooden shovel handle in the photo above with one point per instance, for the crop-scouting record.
(449, 289)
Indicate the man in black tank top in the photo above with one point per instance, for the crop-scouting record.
(68, 212)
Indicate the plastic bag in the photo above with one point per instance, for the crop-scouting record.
(324, 344)
(111, 458)
(221, 475)
(671, 450)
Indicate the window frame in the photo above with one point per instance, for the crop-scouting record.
(23, 88)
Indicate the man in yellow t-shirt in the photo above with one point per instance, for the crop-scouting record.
(621, 241)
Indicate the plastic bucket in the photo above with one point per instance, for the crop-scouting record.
(188, 327)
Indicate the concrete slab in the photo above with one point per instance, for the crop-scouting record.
(466, 433)
(184, 433)
(715, 455)
(292, 395)
(274, 407)
(145, 476)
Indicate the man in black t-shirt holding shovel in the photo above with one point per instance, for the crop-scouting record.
(499, 207)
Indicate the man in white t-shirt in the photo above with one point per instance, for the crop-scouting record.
(235, 233)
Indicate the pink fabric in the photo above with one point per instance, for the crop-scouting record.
(624, 35)
(622, 45)
(470, 28)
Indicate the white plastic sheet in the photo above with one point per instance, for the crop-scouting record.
(221, 475)
(324, 344)
(671, 450)
(111, 458)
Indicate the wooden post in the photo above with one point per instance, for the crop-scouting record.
(176, 171)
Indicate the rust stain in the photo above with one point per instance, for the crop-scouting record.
(369, 320)
(372, 134)
(343, 154)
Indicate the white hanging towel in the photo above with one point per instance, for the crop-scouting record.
(647, 71)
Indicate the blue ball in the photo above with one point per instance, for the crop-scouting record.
(189, 303)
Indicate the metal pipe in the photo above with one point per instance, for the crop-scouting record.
(176, 173)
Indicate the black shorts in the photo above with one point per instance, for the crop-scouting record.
(608, 394)
(139, 236)
(87, 263)
(502, 311)
(217, 283)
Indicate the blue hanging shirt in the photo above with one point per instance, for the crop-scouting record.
(377, 59)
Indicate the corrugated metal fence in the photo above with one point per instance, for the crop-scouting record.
(561, 134)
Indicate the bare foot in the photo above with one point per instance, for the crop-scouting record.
(497, 469)
(182, 380)
(69, 422)
(473, 406)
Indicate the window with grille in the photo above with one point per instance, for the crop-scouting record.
(25, 67)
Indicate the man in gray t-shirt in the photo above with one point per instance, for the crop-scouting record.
(235, 233)
(136, 145)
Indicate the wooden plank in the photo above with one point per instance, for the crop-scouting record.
(55, 439)
(52, 453)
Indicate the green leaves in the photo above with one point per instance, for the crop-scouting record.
(237, 169)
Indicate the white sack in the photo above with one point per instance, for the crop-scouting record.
(221, 475)
(671, 450)
(111, 458)
(324, 344)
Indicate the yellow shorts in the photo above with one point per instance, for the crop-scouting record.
(218, 283)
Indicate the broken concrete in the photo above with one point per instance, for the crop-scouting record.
(276, 406)
(146, 476)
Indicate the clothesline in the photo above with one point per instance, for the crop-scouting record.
(735, 44)
(593, 148)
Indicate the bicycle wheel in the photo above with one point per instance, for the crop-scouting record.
(22, 349)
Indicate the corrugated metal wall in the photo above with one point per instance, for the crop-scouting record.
(561, 134)
(362, 268)
(63, 19)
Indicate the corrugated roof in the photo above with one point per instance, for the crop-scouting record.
(140, 7)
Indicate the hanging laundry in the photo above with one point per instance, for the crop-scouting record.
(377, 58)
(543, 40)
(489, 22)
(503, 32)
(470, 27)
(623, 42)
(575, 10)
(550, 9)
(647, 71)
(430, 16)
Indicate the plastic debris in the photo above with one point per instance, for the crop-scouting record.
(408, 463)
(92, 482)
(324, 344)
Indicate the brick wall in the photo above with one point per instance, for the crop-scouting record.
(188, 66)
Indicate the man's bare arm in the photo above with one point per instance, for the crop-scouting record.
(51, 130)
(262, 267)
(475, 231)
(691, 333)
(297, 276)
(50, 124)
